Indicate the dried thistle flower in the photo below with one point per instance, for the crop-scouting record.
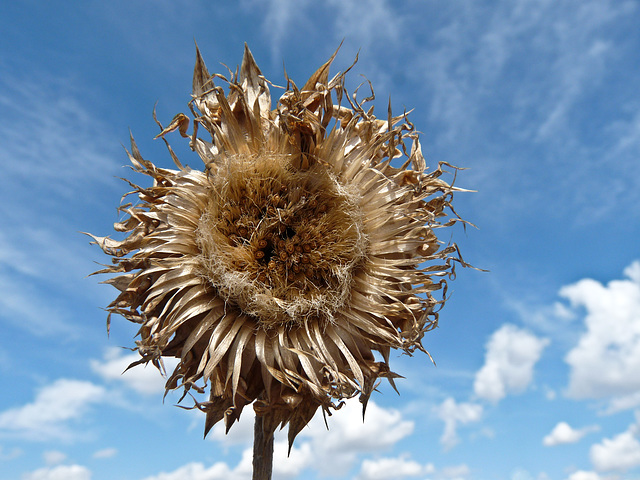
(300, 250)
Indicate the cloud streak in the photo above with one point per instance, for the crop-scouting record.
(454, 414)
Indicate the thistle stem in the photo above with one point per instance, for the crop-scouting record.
(262, 451)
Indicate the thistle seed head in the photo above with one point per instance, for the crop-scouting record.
(305, 245)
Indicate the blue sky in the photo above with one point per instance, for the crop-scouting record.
(538, 360)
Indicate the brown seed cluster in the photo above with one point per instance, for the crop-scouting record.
(283, 242)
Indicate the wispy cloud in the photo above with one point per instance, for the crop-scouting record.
(507, 89)
(372, 26)
(23, 306)
(9, 454)
(54, 154)
(278, 23)
(105, 453)
(52, 144)
(54, 457)
(367, 23)
(454, 414)
(483, 49)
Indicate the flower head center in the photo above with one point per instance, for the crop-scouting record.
(278, 242)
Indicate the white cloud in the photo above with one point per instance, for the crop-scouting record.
(621, 452)
(105, 453)
(337, 449)
(562, 433)
(584, 475)
(55, 405)
(623, 402)
(392, 468)
(285, 467)
(197, 471)
(331, 452)
(511, 355)
(290, 466)
(144, 379)
(54, 457)
(456, 472)
(521, 474)
(240, 433)
(380, 429)
(606, 360)
(453, 414)
(61, 472)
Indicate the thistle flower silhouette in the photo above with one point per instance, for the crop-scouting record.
(304, 246)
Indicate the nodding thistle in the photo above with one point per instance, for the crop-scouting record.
(278, 271)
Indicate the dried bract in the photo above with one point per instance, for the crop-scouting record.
(305, 245)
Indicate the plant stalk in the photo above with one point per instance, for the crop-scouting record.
(262, 451)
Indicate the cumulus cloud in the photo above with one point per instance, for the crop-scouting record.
(284, 466)
(338, 448)
(381, 428)
(290, 466)
(621, 452)
(584, 475)
(331, 452)
(61, 472)
(145, 379)
(197, 471)
(454, 414)
(240, 434)
(606, 360)
(54, 406)
(392, 468)
(511, 355)
(562, 433)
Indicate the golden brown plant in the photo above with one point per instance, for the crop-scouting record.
(305, 245)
